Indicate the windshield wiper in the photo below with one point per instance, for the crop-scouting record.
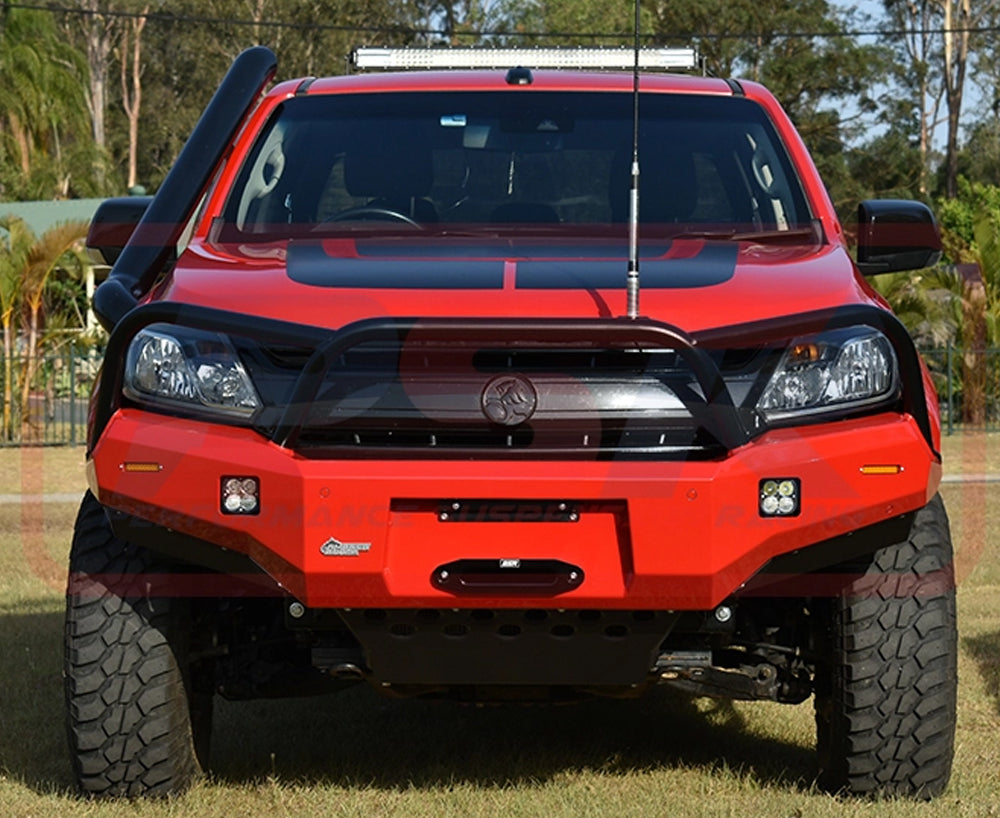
(794, 234)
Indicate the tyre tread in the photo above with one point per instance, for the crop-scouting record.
(886, 724)
(127, 708)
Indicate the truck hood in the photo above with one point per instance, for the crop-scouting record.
(693, 284)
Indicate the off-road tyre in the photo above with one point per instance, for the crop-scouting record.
(135, 724)
(886, 689)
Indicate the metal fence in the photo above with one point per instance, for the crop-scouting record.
(55, 412)
(968, 386)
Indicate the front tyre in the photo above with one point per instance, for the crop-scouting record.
(886, 690)
(127, 683)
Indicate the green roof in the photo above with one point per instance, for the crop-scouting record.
(42, 216)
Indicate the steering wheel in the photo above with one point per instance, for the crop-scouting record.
(370, 213)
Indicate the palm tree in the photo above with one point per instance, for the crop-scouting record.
(43, 258)
(967, 299)
(26, 265)
(987, 232)
(922, 301)
(43, 110)
(13, 257)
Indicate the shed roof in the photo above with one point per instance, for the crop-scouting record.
(42, 216)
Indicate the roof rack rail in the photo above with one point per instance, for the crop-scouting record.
(660, 59)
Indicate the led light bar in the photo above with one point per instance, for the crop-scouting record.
(599, 58)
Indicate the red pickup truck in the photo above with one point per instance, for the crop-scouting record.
(381, 404)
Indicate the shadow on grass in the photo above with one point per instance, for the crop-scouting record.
(32, 733)
(358, 738)
(985, 650)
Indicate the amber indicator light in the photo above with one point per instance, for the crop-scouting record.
(137, 467)
(882, 469)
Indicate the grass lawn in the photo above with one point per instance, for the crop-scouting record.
(37, 470)
(360, 754)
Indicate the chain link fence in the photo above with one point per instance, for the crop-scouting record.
(54, 410)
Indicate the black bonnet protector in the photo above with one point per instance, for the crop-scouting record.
(715, 409)
(480, 266)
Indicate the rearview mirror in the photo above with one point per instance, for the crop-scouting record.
(895, 235)
(113, 225)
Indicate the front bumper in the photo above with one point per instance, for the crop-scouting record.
(645, 535)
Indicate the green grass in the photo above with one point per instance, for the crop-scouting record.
(971, 453)
(361, 754)
(42, 469)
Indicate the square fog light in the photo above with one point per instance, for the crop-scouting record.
(780, 497)
(240, 495)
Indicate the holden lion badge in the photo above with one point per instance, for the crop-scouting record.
(509, 400)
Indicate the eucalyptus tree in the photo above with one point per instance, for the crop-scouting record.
(445, 22)
(579, 22)
(916, 73)
(937, 42)
(188, 45)
(802, 51)
(979, 158)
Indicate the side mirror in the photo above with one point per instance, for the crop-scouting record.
(895, 235)
(113, 225)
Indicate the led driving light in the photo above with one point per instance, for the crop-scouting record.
(240, 495)
(779, 497)
(599, 58)
(842, 369)
(188, 369)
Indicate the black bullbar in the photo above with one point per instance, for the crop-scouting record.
(714, 409)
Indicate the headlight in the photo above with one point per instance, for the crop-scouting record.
(188, 369)
(842, 369)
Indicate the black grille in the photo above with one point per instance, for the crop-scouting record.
(381, 399)
(372, 441)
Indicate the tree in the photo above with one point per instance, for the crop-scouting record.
(888, 166)
(959, 22)
(572, 23)
(933, 61)
(188, 46)
(131, 77)
(979, 158)
(13, 258)
(26, 265)
(917, 73)
(447, 22)
(801, 51)
(923, 303)
(969, 287)
(41, 107)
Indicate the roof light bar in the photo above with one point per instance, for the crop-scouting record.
(601, 58)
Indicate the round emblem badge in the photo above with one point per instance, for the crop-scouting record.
(508, 400)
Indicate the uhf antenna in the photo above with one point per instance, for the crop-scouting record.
(632, 281)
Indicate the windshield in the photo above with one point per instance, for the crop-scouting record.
(469, 162)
